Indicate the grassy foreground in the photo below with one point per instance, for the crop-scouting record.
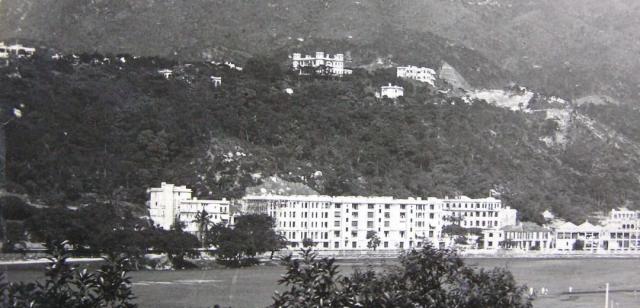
(253, 287)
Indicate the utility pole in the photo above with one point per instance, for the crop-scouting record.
(606, 296)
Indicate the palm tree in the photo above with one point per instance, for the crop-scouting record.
(203, 219)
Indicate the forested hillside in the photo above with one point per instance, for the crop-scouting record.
(105, 126)
(571, 48)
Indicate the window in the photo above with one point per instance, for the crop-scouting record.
(336, 245)
(336, 214)
(387, 215)
(386, 244)
(354, 223)
(325, 245)
(386, 223)
(386, 233)
(431, 215)
(430, 233)
(354, 214)
(402, 206)
(402, 215)
(354, 206)
(354, 233)
(353, 244)
(387, 206)
(336, 233)
(402, 234)
(369, 224)
(370, 206)
(370, 215)
(336, 223)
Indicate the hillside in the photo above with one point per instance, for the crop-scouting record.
(114, 125)
(570, 48)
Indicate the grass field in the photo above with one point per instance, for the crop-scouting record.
(253, 287)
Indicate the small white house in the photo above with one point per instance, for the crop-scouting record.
(17, 50)
(217, 81)
(167, 73)
(390, 91)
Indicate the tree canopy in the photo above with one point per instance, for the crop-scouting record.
(426, 278)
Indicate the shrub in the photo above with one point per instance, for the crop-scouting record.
(426, 278)
(67, 286)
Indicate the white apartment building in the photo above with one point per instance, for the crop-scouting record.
(334, 63)
(483, 213)
(390, 91)
(17, 50)
(422, 74)
(170, 202)
(339, 223)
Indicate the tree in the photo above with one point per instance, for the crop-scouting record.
(578, 245)
(425, 278)
(203, 220)
(308, 243)
(264, 68)
(252, 234)
(374, 240)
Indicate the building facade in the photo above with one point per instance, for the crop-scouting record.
(335, 63)
(524, 236)
(483, 213)
(618, 233)
(346, 222)
(340, 223)
(169, 203)
(16, 50)
(390, 91)
(422, 74)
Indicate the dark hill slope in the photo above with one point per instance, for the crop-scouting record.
(121, 127)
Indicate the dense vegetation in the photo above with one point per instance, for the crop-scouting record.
(93, 230)
(425, 278)
(250, 236)
(68, 286)
(113, 127)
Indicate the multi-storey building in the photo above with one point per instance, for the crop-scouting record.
(390, 91)
(347, 222)
(423, 74)
(335, 63)
(483, 213)
(169, 203)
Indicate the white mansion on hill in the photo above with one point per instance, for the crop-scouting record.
(335, 63)
(344, 223)
(422, 74)
(169, 203)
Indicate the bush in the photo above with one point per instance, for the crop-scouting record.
(14, 208)
(426, 278)
(67, 286)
